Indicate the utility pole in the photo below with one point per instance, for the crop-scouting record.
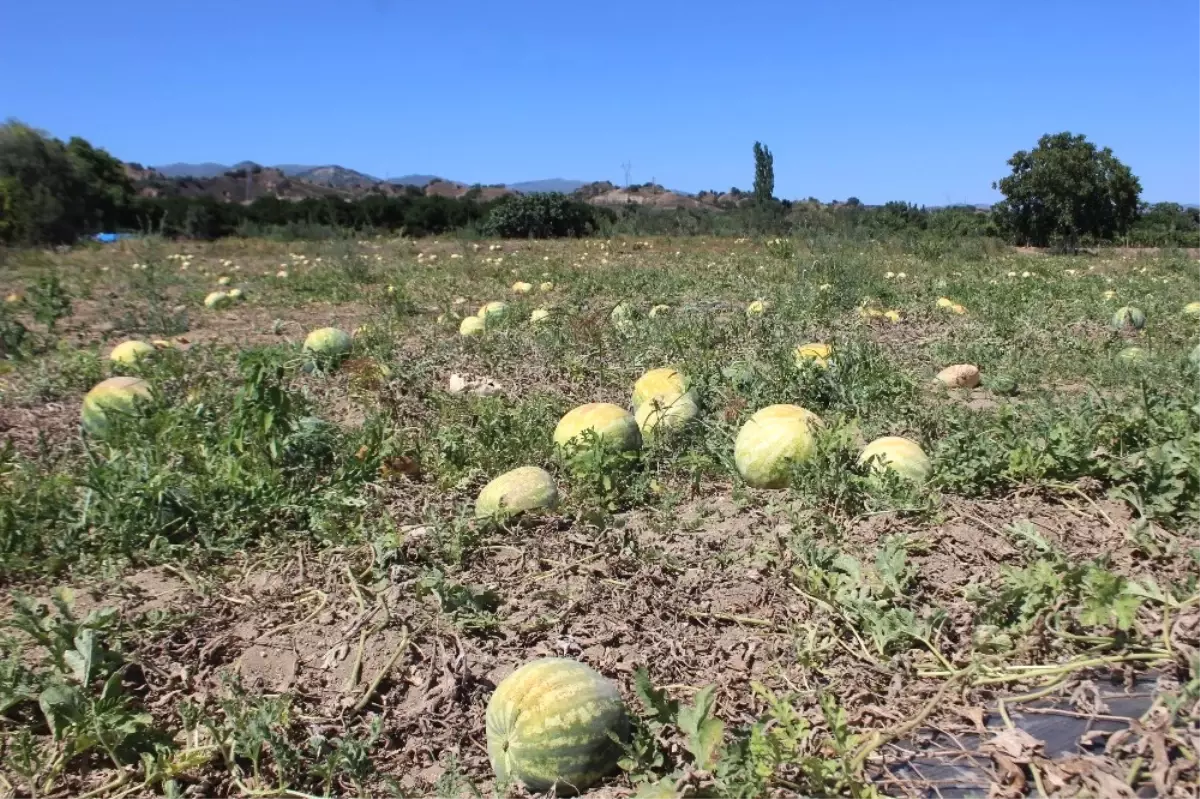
(628, 167)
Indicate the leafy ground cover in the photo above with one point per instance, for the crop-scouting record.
(270, 581)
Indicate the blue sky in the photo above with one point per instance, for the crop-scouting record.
(920, 101)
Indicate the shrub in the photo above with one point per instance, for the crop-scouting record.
(539, 216)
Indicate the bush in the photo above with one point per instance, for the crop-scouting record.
(539, 216)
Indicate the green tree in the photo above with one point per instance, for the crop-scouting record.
(1066, 189)
(41, 184)
(12, 210)
(764, 174)
(108, 192)
(52, 192)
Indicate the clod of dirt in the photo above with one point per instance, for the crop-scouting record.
(963, 375)
(480, 386)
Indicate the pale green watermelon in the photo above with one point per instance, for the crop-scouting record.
(550, 725)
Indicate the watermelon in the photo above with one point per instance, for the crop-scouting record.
(471, 326)
(521, 287)
(492, 310)
(622, 318)
(522, 489)
(1128, 318)
(216, 300)
(816, 352)
(665, 412)
(550, 725)
(664, 380)
(900, 455)
(770, 441)
(613, 424)
(539, 315)
(117, 394)
(1133, 355)
(1192, 309)
(130, 352)
(757, 308)
(329, 342)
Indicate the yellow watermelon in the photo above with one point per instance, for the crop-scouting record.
(900, 455)
(471, 326)
(130, 352)
(770, 441)
(665, 412)
(522, 489)
(816, 352)
(613, 424)
(116, 394)
(216, 300)
(664, 380)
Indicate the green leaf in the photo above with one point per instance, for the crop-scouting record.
(658, 705)
(703, 730)
(62, 706)
(83, 657)
(663, 789)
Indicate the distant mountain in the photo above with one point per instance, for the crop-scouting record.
(420, 181)
(336, 176)
(205, 170)
(561, 185)
(339, 177)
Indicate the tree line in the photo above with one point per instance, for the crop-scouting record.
(1063, 191)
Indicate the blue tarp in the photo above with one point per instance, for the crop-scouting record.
(109, 238)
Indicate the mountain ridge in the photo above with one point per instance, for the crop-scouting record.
(338, 176)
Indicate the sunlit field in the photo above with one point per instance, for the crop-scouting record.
(269, 575)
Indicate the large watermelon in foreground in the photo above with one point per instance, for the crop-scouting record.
(550, 724)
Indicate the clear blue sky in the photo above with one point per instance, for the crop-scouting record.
(921, 101)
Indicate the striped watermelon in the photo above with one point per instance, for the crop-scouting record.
(551, 723)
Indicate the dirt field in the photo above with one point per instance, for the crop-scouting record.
(312, 608)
